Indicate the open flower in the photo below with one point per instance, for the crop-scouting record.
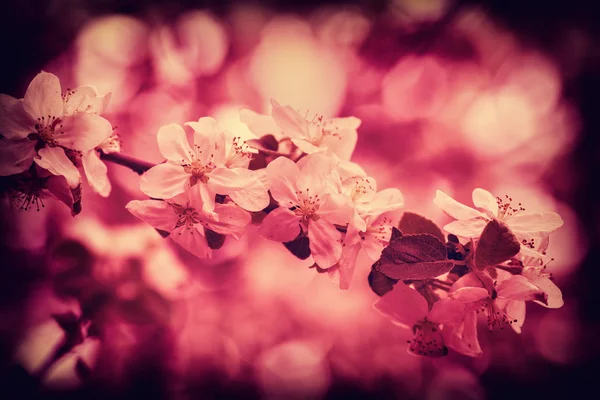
(369, 230)
(184, 218)
(216, 164)
(470, 222)
(334, 136)
(309, 202)
(62, 126)
(503, 300)
(407, 308)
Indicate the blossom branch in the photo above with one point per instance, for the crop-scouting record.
(136, 165)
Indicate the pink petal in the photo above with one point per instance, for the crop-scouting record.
(372, 246)
(280, 225)
(403, 305)
(347, 265)
(206, 196)
(85, 99)
(463, 338)
(96, 173)
(453, 208)
(281, 177)
(447, 311)
(243, 186)
(535, 223)
(56, 162)
(517, 287)
(515, 311)
(206, 126)
(164, 181)
(60, 190)
(470, 294)
(16, 156)
(82, 132)
(43, 96)
(319, 174)
(467, 280)
(192, 240)
(15, 122)
(348, 169)
(344, 142)
(259, 124)
(384, 201)
(307, 147)
(470, 228)
(335, 208)
(233, 220)
(156, 213)
(555, 299)
(173, 144)
(484, 199)
(289, 120)
(325, 243)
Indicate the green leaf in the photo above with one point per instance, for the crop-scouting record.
(412, 223)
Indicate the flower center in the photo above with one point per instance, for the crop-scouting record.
(496, 318)
(362, 186)
(308, 205)
(427, 340)
(239, 152)
(188, 217)
(47, 127)
(506, 208)
(380, 232)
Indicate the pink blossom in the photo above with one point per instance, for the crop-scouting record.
(369, 230)
(334, 136)
(407, 308)
(216, 164)
(309, 201)
(185, 219)
(66, 125)
(470, 222)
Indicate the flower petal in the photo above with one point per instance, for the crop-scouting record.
(280, 225)
(383, 201)
(518, 287)
(453, 208)
(463, 338)
(15, 122)
(290, 121)
(173, 144)
(206, 126)
(243, 186)
(16, 156)
(164, 181)
(336, 209)
(555, 299)
(484, 199)
(535, 223)
(403, 305)
(347, 265)
(43, 97)
(85, 99)
(233, 220)
(56, 162)
(156, 213)
(515, 310)
(344, 141)
(447, 311)
(96, 173)
(192, 240)
(470, 294)
(307, 147)
(282, 174)
(325, 243)
(259, 124)
(82, 132)
(470, 228)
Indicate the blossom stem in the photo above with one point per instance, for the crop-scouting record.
(136, 165)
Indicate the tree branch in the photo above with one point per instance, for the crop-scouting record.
(134, 164)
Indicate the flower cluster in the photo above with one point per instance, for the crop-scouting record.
(500, 265)
(298, 183)
(47, 135)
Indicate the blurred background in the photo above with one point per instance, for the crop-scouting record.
(452, 95)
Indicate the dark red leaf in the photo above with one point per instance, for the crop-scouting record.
(379, 283)
(496, 245)
(412, 223)
(299, 247)
(421, 256)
